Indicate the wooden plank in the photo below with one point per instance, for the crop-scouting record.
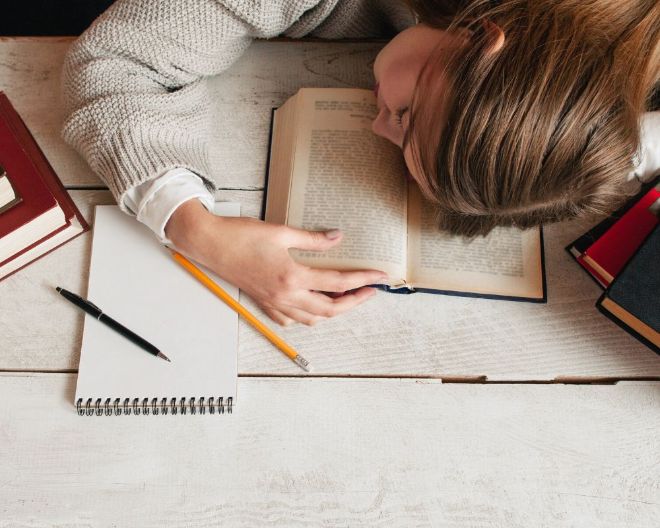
(422, 335)
(30, 76)
(301, 452)
(38, 331)
(240, 103)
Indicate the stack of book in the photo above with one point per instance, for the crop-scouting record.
(36, 213)
(622, 254)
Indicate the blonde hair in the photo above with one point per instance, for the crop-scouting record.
(546, 127)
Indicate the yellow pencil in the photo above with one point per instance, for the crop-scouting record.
(241, 310)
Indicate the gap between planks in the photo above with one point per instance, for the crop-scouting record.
(483, 380)
(443, 379)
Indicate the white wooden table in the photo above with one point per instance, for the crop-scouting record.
(423, 410)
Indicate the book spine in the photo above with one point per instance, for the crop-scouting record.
(153, 406)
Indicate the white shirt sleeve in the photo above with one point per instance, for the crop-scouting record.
(154, 201)
(649, 155)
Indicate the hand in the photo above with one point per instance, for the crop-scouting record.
(254, 256)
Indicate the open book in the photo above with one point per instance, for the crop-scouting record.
(328, 170)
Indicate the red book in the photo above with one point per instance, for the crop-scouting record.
(46, 217)
(607, 256)
(592, 271)
(9, 196)
(38, 213)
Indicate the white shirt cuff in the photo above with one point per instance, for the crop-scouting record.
(153, 202)
(648, 161)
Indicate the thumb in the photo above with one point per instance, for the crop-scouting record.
(314, 240)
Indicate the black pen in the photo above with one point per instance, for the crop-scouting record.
(97, 313)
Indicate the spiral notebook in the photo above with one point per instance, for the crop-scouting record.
(135, 280)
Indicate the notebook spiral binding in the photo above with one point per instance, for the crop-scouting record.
(152, 406)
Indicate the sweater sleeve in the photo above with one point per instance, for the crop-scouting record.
(133, 84)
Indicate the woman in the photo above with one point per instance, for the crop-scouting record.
(510, 113)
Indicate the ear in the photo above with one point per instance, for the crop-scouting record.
(495, 35)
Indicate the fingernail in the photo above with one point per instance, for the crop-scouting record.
(332, 234)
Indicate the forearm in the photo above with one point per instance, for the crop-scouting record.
(187, 226)
(133, 90)
(153, 202)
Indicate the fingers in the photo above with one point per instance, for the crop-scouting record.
(277, 316)
(311, 240)
(292, 292)
(287, 315)
(318, 304)
(341, 281)
(351, 300)
(313, 307)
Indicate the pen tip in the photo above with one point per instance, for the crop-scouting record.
(161, 355)
(58, 288)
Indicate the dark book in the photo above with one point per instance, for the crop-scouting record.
(633, 299)
(327, 169)
(603, 250)
(46, 216)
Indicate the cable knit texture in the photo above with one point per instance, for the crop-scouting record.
(134, 87)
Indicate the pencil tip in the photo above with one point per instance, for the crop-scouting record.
(161, 355)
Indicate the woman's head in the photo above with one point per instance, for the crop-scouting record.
(522, 113)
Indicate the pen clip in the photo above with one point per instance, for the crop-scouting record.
(94, 306)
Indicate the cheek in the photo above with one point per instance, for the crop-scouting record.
(378, 125)
(409, 176)
(413, 173)
(383, 128)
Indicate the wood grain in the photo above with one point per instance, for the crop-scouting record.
(330, 452)
(411, 335)
(38, 331)
(240, 104)
(325, 451)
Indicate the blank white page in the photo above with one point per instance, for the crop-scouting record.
(135, 280)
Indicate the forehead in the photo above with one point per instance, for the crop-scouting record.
(400, 62)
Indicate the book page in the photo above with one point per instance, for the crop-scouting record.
(507, 262)
(348, 178)
(280, 165)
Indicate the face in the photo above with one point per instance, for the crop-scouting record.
(396, 70)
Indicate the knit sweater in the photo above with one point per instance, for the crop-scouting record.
(133, 84)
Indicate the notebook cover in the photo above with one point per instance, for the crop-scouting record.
(43, 177)
(135, 280)
(637, 289)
